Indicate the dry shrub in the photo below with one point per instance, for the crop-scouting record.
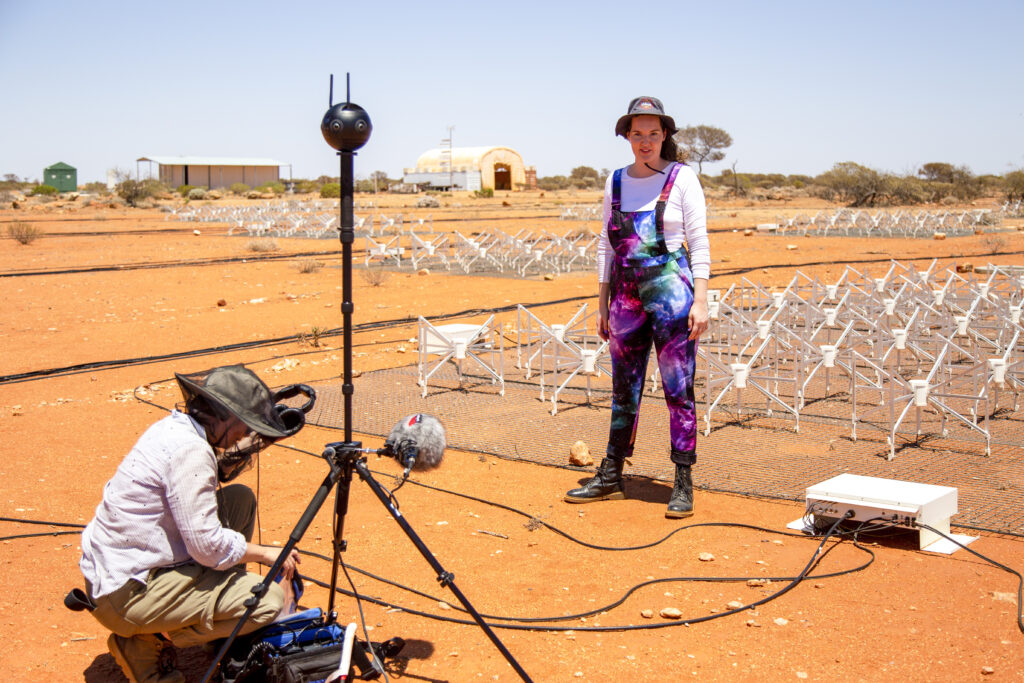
(375, 277)
(24, 233)
(261, 244)
(312, 338)
(309, 266)
(994, 243)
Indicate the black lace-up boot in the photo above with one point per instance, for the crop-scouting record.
(606, 484)
(681, 503)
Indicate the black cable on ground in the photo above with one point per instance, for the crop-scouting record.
(168, 264)
(533, 626)
(994, 563)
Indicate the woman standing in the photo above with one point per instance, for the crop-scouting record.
(653, 268)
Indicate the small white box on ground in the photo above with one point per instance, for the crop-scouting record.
(900, 503)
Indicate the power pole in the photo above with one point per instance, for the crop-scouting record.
(446, 157)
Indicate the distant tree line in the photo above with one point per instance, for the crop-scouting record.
(847, 182)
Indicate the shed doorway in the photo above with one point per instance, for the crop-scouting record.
(502, 177)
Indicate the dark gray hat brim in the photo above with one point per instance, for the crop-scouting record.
(667, 122)
(240, 392)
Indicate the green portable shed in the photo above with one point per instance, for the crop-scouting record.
(61, 176)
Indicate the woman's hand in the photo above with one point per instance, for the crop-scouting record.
(699, 309)
(602, 310)
(698, 318)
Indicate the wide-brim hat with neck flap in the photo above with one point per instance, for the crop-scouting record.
(238, 390)
(645, 106)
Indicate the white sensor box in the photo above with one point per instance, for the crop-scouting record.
(900, 503)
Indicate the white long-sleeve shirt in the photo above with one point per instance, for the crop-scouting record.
(685, 217)
(158, 510)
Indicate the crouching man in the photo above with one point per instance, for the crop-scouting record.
(164, 557)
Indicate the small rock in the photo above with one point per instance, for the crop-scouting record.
(401, 349)
(791, 247)
(706, 557)
(1000, 596)
(579, 454)
(443, 605)
(748, 232)
(423, 271)
(671, 613)
(801, 674)
(222, 302)
(549, 276)
(284, 364)
(196, 232)
(987, 670)
(753, 624)
(939, 236)
(965, 267)
(780, 621)
(647, 613)
(734, 604)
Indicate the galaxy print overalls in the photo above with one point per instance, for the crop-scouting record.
(650, 298)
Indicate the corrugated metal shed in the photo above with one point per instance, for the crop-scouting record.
(214, 172)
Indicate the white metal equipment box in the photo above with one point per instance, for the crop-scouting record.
(901, 503)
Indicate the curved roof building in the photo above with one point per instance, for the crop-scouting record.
(471, 168)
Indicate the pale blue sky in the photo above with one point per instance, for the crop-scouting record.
(798, 85)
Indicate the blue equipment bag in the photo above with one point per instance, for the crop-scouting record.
(301, 648)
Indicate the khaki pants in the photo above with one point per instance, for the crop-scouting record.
(191, 603)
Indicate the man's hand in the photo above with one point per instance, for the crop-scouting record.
(267, 555)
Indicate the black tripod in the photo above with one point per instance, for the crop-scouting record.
(346, 127)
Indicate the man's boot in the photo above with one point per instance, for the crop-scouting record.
(145, 658)
(606, 484)
(681, 503)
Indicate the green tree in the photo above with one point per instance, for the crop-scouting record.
(1014, 184)
(553, 182)
(134, 191)
(584, 177)
(703, 144)
(855, 184)
(380, 181)
(937, 171)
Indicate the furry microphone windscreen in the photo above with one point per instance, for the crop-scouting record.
(425, 433)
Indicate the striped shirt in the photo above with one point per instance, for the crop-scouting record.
(159, 510)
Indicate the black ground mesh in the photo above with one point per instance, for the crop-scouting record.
(748, 453)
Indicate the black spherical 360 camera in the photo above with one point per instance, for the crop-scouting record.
(346, 127)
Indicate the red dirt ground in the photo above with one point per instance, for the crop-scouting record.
(908, 616)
